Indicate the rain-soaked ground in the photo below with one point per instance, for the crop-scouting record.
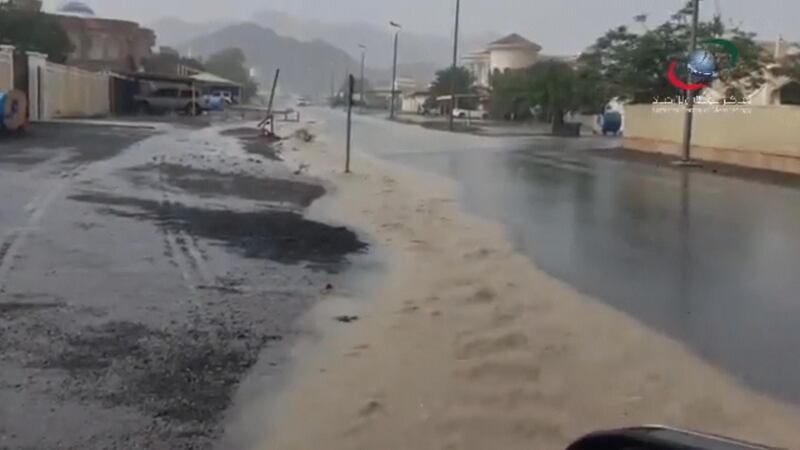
(708, 256)
(144, 274)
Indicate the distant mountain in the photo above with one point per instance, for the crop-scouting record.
(306, 67)
(310, 52)
(171, 31)
(413, 47)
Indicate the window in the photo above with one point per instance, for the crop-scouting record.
(166, 92)
(96, 47)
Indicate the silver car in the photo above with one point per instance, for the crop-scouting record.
(169, 99)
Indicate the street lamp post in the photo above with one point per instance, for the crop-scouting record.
(454, 68)
(363, 59)
(394, 69)
(687, 126)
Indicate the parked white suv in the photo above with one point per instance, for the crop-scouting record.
(470, 113)
(224, 95)
(169, 99)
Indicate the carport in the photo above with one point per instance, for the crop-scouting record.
(210, 83)
(125, 95)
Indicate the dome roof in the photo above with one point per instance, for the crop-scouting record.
(77, 8)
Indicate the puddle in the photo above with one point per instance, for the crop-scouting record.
(8, 309)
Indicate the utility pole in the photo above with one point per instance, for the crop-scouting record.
(363, 59)
(687, 126)
(394, 68)
(454, 68)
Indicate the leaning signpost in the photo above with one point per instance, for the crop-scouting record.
(270, 119)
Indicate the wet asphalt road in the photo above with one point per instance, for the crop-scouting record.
(145, 274)
(710, 260)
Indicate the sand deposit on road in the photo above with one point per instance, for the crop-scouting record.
(467, 345)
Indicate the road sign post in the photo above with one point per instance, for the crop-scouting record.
(686, 158)
(351, 86)
(270, 117)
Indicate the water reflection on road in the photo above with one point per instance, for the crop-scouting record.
(713, 261)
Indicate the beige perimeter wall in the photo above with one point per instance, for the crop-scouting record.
(6, 71)
(764, 137)
(72, 92)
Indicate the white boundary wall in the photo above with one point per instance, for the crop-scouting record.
(70, 92)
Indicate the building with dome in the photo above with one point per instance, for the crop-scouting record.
(76, 8)
(510, 52)
(98, 43)
(103, 44)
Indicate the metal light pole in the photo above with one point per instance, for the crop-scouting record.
(454, 68)
(687, 127)
(394, 69)
(363, 59)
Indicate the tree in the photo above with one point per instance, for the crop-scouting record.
(167, 60)
(509, 96)
(633, 65)
(30, 30)
(551, 85)
(231, 64)
(464, 85)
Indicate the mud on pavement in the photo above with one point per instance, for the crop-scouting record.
(154, 289)
(255, 143)
(282, 236)
(213, 183)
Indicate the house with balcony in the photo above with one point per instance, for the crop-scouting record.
(510, 52)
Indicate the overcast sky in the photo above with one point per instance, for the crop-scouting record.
(560, 26)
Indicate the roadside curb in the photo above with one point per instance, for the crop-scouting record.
(102, 123)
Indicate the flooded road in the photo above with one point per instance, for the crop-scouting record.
(708, 259)
(145, 274)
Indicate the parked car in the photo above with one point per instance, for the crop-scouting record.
(169, 99)
(470, 113)
(220, 96)
(428, 111)
(214, 102)
(303, 101)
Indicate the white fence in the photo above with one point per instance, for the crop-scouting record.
(72, 92)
